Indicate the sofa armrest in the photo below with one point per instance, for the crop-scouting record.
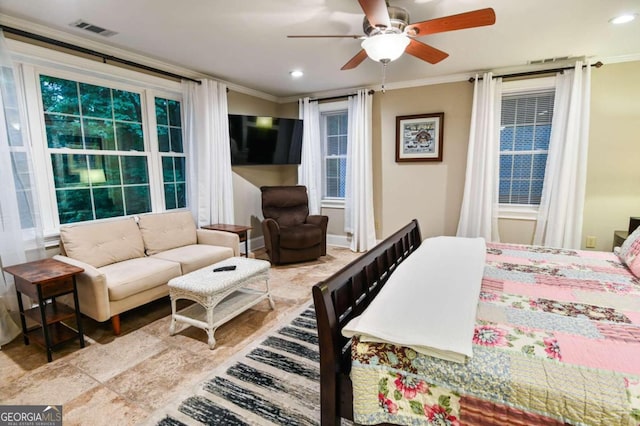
(93, 293)
(219, 238)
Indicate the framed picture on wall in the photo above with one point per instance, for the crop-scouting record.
(419, 137)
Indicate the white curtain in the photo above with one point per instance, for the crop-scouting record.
(210, 183)
(479, 212)
(21, 237)
(562, 204)
(359, 220)
(310, 169)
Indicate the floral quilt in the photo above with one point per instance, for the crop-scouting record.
(556, 341)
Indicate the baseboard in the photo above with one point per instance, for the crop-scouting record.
(332, 240)
(339, 240)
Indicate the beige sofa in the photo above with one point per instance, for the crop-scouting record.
(128, 262)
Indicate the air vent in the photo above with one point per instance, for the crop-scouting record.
(92, 28)
(553, 60)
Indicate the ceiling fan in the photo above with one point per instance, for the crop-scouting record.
(388, 32)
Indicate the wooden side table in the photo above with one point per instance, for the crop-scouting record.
(241, 230)
(44, 280)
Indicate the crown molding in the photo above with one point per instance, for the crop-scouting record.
(87, 43)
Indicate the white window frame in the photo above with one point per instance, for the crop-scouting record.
(329, 107)
(523, 211)
(34, 61)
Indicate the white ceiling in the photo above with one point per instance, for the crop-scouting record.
(244, 41)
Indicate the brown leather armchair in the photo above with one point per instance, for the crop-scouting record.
(290, 233)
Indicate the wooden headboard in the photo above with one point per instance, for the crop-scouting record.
(342, 297)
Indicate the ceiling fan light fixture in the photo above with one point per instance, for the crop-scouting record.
(623, 19)
(385, 47)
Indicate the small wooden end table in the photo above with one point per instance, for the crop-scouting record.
(44, 280)
(240, 230)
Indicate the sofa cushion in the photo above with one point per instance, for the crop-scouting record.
(130, 277)
(195, 256)
(300, 237)
(165, 231)
(103, 243)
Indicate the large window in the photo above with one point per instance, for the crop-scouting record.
(333, 132)
(524, 143)
(112, 150)
(96, 144)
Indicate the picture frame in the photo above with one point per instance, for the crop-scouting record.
(419, 137)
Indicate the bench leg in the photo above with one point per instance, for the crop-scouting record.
(115, 323)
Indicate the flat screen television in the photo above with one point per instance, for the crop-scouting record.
(264, 140)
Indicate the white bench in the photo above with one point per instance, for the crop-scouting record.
(219, 296)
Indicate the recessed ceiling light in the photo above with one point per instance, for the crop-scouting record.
(623, 19)
(296, 73)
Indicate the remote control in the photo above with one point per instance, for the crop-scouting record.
(225, 268)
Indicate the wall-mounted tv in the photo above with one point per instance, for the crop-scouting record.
(264, 140)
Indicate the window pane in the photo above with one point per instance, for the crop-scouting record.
(542, 136)
(167, 170)
(176, 139)
(180, 166)
(134, 170)
(99, 134)
(174, 113)
(170, 196)
(108, 202)
(66, 169)
(524, 138)
(74, 205)
(181, 194)
(137, 199)
(539, 166)
(506, 163)
(161, 112)
(59, 95)
(112, 169)
(126, 106)
(522, 166)
(163, 139)
(333, 145)
(96, 101)
(63, 131)
(129, 137)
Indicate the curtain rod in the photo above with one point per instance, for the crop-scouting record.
(537, 72)
(86, 51)
(334, 98)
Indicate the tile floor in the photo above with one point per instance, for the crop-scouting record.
(122, 380)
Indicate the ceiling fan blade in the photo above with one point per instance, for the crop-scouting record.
(376, 12)
(325, 36)
(476, 18)
(355, 61)
(425, 52)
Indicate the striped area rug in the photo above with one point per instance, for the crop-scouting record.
(275, 383)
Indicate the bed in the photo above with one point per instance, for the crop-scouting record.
(556, 341)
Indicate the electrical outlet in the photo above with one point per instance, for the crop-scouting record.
(591, 242)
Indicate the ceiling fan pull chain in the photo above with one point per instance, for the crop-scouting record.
(384, 74)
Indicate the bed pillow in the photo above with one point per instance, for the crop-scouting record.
(630, 252)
